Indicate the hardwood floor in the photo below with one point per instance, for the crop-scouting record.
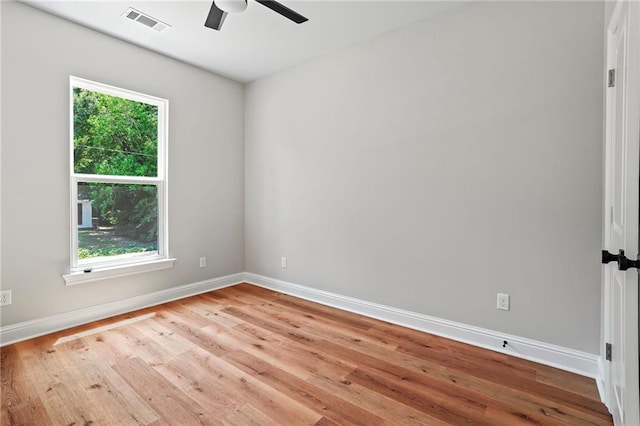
(248, 356)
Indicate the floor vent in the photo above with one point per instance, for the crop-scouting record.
(136, 15)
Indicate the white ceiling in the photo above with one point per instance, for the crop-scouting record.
(252, 44)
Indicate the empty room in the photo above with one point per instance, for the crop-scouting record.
(313, 212)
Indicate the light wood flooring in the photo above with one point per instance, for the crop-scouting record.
(248, 356)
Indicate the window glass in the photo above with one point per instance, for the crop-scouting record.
(113, 135)
(125, 224)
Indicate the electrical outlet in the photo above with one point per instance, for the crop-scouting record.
(5, 297)
(283, 262)
(503, 301)
(203, 262)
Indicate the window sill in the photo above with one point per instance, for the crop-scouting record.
(99, 274)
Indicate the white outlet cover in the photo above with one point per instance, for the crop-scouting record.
(5, 297)
(503, 302)
(283, 262)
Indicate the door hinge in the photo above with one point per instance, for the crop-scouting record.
(607, 351)
(612, 78)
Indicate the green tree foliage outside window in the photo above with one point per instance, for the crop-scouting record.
(114, 136)
(117, 136)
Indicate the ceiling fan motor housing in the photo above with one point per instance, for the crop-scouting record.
(232, 6)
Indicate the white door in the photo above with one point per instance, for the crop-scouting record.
(622, 215)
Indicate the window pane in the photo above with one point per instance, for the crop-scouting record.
(124, 221)
(113, 135)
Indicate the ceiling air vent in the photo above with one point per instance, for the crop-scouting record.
(136, 15)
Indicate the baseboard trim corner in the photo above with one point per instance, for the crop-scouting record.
(34, 328)
(567, 359)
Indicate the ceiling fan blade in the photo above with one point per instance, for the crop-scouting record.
(215, 18)
(283, 10)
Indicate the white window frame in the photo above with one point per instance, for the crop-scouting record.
(120, 266)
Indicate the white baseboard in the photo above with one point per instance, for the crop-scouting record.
(567, 359)
(582, 363)
(29, 329)
(600, 382)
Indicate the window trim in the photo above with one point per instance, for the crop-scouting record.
(120, 267)
(99, 274)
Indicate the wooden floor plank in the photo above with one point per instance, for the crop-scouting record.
(245, 387)
(287, 355)
(67, 388)
(332, 407)
(455, 408)
(567, 381)
(245, 355)
(130, 401)
(387, 408)
(15, 391)
(31, 412)
(162, 395)
(247, 415)
(300, 319)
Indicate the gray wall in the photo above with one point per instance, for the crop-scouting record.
(436, 165)
(472, 135)
(206, 173)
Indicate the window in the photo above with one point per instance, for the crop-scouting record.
(118, 182)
